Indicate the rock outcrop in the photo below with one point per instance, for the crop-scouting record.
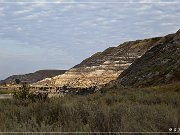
(102, 67)
(33, 77)
(159, 65)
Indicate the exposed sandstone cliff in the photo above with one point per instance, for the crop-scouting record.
(102, 67)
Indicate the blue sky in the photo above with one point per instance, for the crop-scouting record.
(59, 34)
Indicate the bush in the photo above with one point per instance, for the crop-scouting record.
(22, 93)
(117, 110)
(25, 94)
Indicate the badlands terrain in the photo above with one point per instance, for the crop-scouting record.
(139, 92)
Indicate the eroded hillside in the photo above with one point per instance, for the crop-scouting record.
(159, 65)
(102, 67)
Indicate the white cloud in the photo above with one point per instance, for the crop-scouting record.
(19, 29)
(37, 15)
(145, 22)
(167, 23)
(22, 11)
(144, 7)
(1, 11)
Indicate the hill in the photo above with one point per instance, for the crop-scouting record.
(159, 65)
(102, 67)
(33, 77)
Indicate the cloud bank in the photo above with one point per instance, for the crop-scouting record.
(60, 34)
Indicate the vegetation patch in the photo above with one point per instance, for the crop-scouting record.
(6, 91)
(117, 109)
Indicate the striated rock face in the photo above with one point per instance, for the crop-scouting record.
(33, 77)
(159, 65)
(102, 67)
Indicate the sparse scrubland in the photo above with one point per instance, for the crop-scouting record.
(6, 91)
(113, 110)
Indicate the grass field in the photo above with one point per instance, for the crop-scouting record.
(153, 109)
(6, 91)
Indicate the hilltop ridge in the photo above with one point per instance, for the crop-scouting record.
(159, 65)
(33, 77)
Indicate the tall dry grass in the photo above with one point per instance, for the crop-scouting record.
(125, 110)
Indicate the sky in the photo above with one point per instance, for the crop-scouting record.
(58, 34)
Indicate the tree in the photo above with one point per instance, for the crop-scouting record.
(23, 92)
(17, 81)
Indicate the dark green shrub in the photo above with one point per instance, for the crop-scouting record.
(17, 81)
(25, 94)
(22, 93)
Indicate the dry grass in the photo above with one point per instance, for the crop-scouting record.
(168, 87)
(115, 110)
(6, 91)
